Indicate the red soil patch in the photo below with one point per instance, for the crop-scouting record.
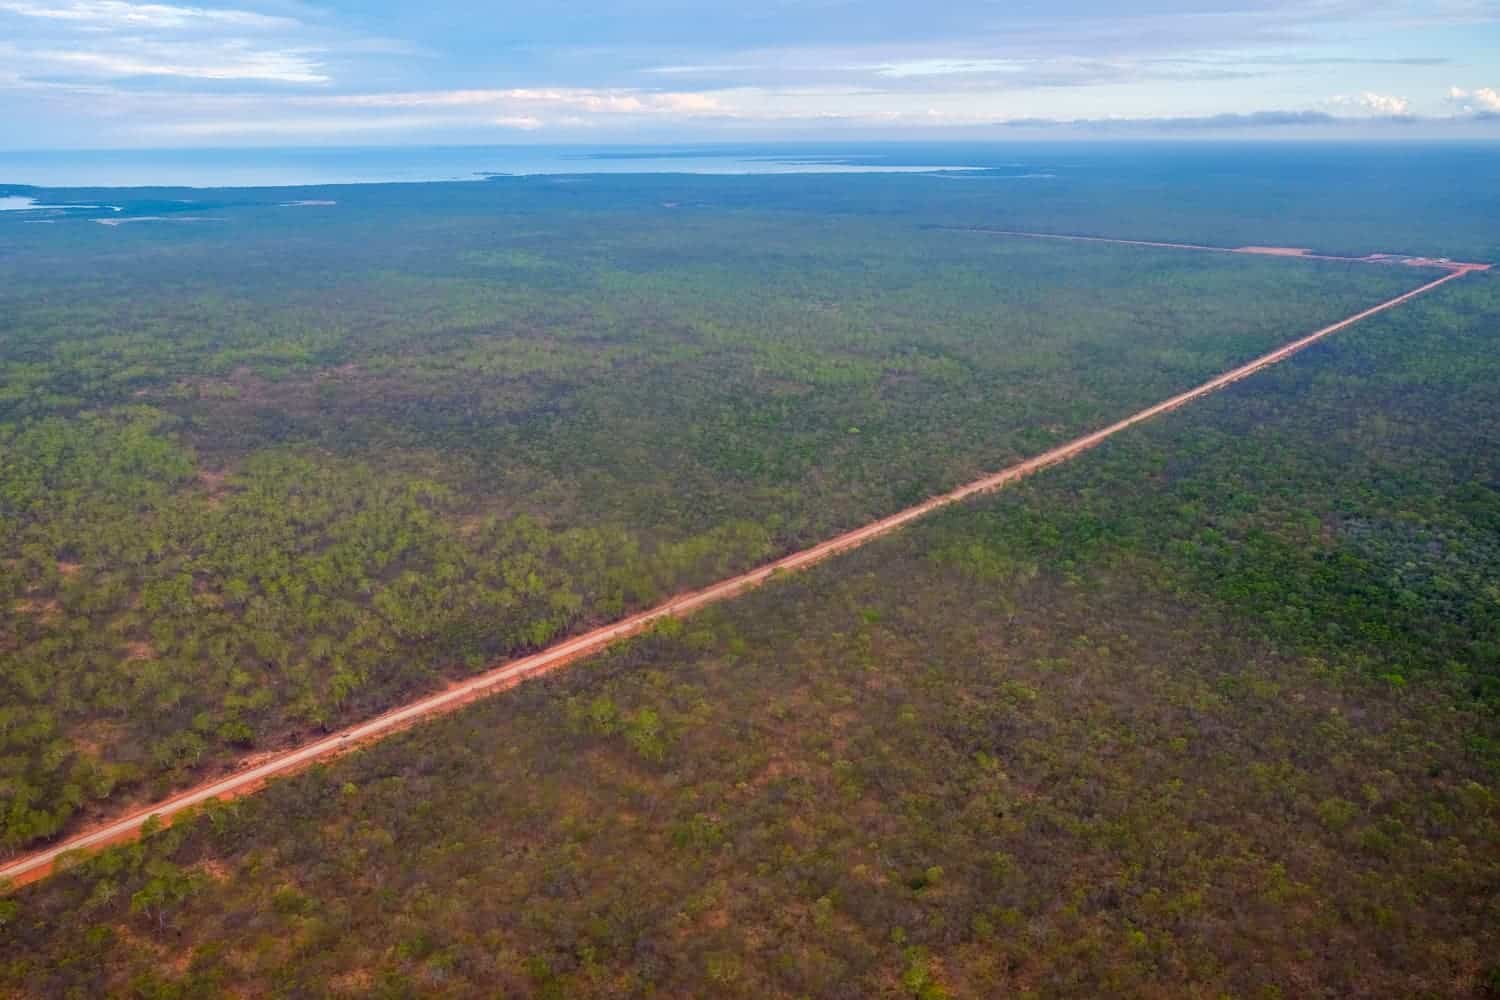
(139, 651)
(215, 486)
(213, 868)
(212, 481)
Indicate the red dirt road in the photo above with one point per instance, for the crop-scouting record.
(39, 864)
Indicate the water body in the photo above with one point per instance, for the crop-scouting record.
(251, 168)
(21, 203)
(1423, 198)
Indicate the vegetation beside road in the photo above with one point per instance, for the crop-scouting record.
(271, 476)
(1210, 710)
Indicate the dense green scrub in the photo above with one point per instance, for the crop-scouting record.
(1208, 712)
(1349, 505)
(272, 473)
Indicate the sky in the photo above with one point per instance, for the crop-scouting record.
(121, 74)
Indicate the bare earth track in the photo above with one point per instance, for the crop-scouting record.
(1300, 253)
(37, 865)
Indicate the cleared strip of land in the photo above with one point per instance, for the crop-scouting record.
(1300, 253)
(38, 864)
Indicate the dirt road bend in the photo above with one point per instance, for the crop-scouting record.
(38, 864)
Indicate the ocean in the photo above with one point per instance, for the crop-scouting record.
(1435, 198)
(301, 167)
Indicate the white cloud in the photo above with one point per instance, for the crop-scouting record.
(413, 99)
(1370, 102)
(230, 60)
(948, 67)
(705, 69)
(103, 71)
(687, 104)
(116, 13)
(1481, 99)
(315, 126)
(251, 116)
(114, 40)
(605, 102)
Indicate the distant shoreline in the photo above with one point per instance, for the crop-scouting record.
(37, 172)
(264, 168)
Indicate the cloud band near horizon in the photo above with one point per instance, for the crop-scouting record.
(117, 73)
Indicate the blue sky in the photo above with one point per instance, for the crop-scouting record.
(116, 73)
